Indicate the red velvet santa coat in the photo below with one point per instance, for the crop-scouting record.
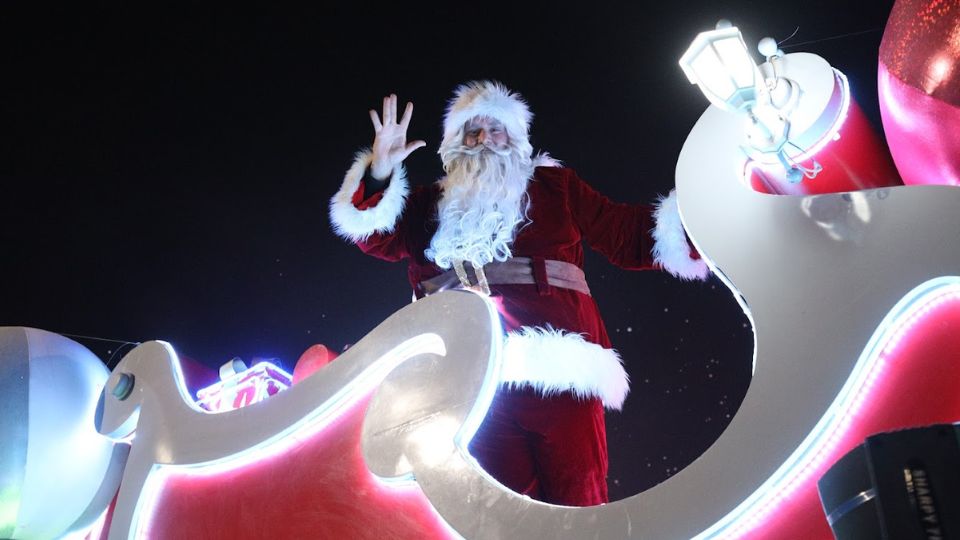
(556, 338)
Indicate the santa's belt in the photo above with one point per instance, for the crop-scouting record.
(538, 271)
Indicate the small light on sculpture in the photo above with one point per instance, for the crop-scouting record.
(719, 62)
(240, 387)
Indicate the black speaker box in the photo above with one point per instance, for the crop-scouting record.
(901, 485)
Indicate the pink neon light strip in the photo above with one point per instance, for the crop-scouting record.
(841, 415)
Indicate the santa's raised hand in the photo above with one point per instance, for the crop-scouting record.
(390, 146)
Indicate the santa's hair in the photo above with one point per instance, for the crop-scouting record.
(490, 99)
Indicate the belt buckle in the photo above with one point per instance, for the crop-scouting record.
(481, 286)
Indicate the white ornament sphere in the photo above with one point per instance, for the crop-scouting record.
(59, 474)
(768, 47)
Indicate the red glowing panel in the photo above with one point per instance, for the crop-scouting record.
(319, 488)
(914, 381)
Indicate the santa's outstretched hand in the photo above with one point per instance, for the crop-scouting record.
(390, 146)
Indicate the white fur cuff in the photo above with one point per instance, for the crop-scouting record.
(670, 248)
(551, 361)
(356, 225)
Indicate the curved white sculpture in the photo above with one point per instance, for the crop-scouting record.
(145, 398)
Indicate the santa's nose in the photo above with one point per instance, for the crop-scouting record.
(481, 136)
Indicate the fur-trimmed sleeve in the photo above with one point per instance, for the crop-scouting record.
(671, 249)
(355, 221)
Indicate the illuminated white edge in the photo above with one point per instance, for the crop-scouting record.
(322, 416)
(126, 432)
(488, 390)
(730, 286)
(832, 134)
(474, 419)
(836, 420)
(180, 380)
(296, 433)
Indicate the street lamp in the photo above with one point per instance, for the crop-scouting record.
(719, 62)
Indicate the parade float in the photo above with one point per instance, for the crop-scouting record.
(845, 259)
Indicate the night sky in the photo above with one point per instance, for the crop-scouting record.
(166, 174)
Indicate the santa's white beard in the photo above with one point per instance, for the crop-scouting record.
(482, 205)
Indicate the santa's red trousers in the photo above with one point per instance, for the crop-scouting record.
(553, 449)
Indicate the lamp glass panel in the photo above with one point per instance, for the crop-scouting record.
(736, 60)
(714, 80)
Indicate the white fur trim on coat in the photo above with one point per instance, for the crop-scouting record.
(356, 225)
(544, 159)
(670, 248)
(551, 361)
(491, 99)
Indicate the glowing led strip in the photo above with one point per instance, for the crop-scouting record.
(835, 423)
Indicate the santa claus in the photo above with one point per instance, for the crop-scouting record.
(512, 224)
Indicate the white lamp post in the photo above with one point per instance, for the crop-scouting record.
(719, 62)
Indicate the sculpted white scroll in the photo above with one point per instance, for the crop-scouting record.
(146, 397)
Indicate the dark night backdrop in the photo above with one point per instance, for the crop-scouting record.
(166, 174)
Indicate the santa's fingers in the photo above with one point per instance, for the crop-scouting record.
(411, 146)
(393, 108)
(375, 118)
(407, 114)
(388, 114)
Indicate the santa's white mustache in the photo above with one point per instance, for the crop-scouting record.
(482, 148)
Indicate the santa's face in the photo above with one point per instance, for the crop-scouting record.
(482, 202)
(485, 131)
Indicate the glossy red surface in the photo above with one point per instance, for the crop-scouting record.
(857, 160)
(312, 359)
(919, 385)
(921, 47)
(319, 488)
(923, 132)
(919, 90)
